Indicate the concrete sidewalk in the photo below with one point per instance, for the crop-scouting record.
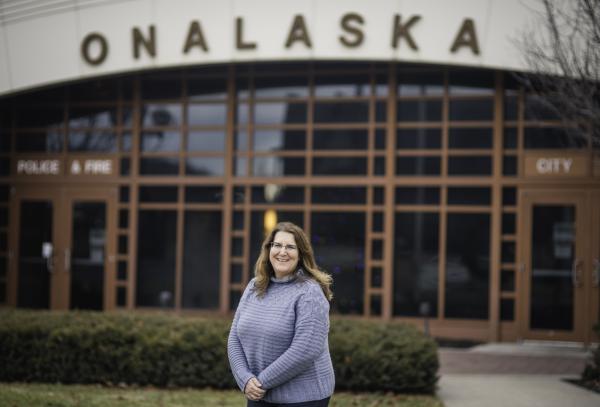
(514, 375)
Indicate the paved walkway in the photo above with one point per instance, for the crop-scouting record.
(514, 375)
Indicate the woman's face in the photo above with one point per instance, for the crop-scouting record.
(283, 254)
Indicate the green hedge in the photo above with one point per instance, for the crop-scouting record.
(166, 350)
(591, 373)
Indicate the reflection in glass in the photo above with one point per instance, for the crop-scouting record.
(279, 113)
(553, 252)
(159, 166)
(160, 140)
(214, 114)
(416, 262)
(271, 193)
(471, 82)
(277, 166)
(278, 140)
(341, 112)
(159, 115)
(341, 139)
(206, 140)
(338, 240)
(206, 88)
(201, 266)
(88, 255)
(280, 87)
(35, 229)
(93, 140)
(467, 265)
(206, 166)
(420, 84)
(342, 86)
(536, 108)
(50, 141)
(261, 225)
(242, 113)
(155, 282)
(339, 166)
(92, 117)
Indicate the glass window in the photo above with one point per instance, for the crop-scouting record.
(95, 90)
(339, 245)
(126, 138)
(125, 166)
(262, 222)
(213, 114)
(420, 84)
(339, 195)
(93, 140)
(158, 194)
(467, 265)
(48, 117)
(341, 112)
(159, 166)
(242, 113)
(203, 194)
(508, 223)
(205, 166)
(206, 88)
(241, 140)
(201, 267)
(206, 140)
(279, 140)
(271, 193)
(238, 220)
(160, 140)
(511, 107)
(85, 117)
(281, 87)
(4, 140)
(416, 262)
(380, 136)
(236, 273)
(341, 139)
(470, 165)
(509, 165)
(419, 138)
(381, 111)
(379, 166)
(553, 137)
(339, 166)
(471, 82)
(160, 115)
(377, 222)
(507, 280)
(510, 137)
(470, 137)
(50, 141)
(155, 282)
(418, 166)
(472, 109)
(537, 108)
(342, 86)
(279, 113)
(123, 218)
(508, 252)
(507, 309)
(122, 271)
(161, 88)
(469, 196)
(417, 196)
(277, 166)
(419, 111)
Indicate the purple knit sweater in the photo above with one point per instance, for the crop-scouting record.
(281, 339)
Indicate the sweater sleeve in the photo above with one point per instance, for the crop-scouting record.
(235, 352)
(310, 339)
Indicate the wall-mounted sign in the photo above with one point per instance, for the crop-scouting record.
(91, 166)
(556, 165)
(38, 167)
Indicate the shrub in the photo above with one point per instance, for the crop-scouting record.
(167, 350)
(591, 373)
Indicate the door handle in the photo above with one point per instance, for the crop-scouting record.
(596, 273)
(575, 273)
(67, 260)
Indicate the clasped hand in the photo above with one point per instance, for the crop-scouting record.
(253, 390)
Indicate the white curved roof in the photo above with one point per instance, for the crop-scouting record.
(41, 40)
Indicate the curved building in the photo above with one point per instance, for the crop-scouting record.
(146, 146)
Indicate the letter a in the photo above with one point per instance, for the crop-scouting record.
(298, 32)
(466, 37)
(194, 38)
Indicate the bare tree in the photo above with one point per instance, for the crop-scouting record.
(563, 56)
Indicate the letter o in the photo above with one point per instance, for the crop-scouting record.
(85, 48)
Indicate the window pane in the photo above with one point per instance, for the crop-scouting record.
(509, 196)
(470, 138)
(158, 194)
(93, 140)
(419, 138)
(201, 260)
(203, 194)
(511, 107)
(507, 280)
(279, 113)
(339, 166)
(510, 137)
(508, 223)
(277, 166)
(507, 309)
(417, 195)
(159, 166)
(341, 139)
(339, 243)
(419, 110)
(418, 165)
(338, 112)
(458, 165)
(416, 263)
(342, 86)
(48, 117)
(160, 140)
(95, 90)
(509, 165)
(467, 265)
(471, 82)
(339, 195)
(538, 109)
(553, 137)
(206, 140)
(280, 87)
(271, 193)
(51, 142)
(161, 88)
(482, 109)
(469, 196)
(420, 84)
(214, 114)
(207, 88)
(205, 166)
(278, 140)
(158, 115)
(155, 282)
(92, 117)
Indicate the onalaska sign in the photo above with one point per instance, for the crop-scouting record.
(94, 47)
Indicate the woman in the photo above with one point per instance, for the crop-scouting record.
(278, 348)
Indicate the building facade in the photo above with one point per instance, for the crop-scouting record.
(141, 170)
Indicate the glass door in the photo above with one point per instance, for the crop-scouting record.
(593, 294)
(554, 263)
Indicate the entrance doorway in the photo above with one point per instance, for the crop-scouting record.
(559, 278)
(62, 248)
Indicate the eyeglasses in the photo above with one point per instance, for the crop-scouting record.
(278, 246)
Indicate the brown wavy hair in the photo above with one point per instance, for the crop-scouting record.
(263, 270)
